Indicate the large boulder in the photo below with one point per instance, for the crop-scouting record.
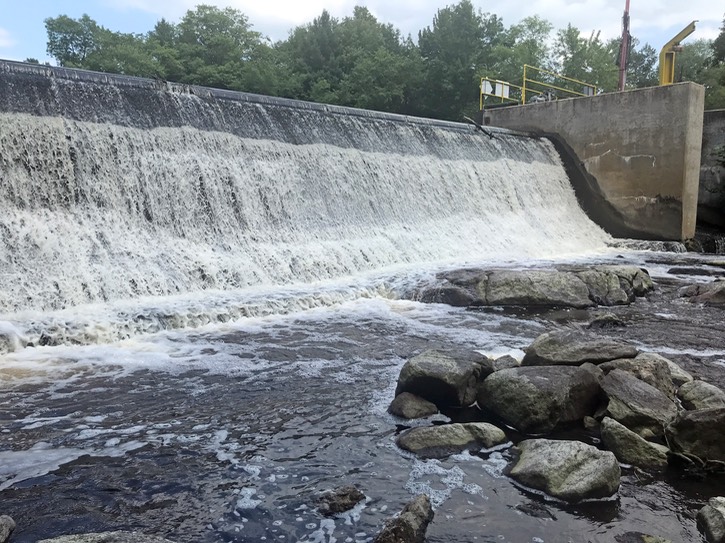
(535, 400)
(570, 470)
(705, 293)
(711, 520)
(631, 278)
(700, 395)
(639, 406)
(445, 379)
(409, 406)
(410, 526)
(679, 376)
(652, 369)
(535, 288)
(630, 448)
(573, 348)
(7, 526)
(445, 439)
(605, 287)
(699, 433)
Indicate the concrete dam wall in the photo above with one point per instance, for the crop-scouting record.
(117, 188)
(711, 201)
(641, 148)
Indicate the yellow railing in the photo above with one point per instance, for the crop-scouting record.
(586, 89)
(504, 92)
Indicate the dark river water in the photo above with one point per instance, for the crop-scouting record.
(229, 432)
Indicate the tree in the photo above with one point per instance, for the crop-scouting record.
(459, 42)
(718, 45)
(71, 41)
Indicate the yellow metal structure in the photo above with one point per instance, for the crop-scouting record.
(586, 89)
(667, 55)
(503, 92)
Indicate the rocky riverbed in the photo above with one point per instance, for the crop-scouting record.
(231, 433)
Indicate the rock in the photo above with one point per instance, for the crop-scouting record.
(639, 537)
(679, 376)
(700, 395)
(409, 406)
(7, 526)
(652, 369)
(535, 400)
(705, 293)
(107, 537)
(605, 287)
(410, 525)
(505, 362)
(339, 500)
(11, 340)
(570, 470)
(631, 277)
(700, 433)
(711, 520)
(630, 448)
(445, 439)
(449, 294)
(447, 380)
(535, 288)
(573, 348)
(637, 405)
(606, 320)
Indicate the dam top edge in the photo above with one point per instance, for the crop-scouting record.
(82, 75)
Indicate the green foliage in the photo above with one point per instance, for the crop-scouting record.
(362, 62)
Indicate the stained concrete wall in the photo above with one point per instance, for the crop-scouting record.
(711, 202)
(642, 147)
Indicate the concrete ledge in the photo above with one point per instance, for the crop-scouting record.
(642, 147)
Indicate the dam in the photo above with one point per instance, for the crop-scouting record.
(209, 297)
(119, 188)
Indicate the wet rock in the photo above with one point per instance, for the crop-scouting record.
(711, 520)
(605, 287)
(450, 294)
(535, 288)
(505, 362)
(11, 340)
(443, 440)
(630, 448)
(447, 380)
(606, 320)
(700, 433)
(652, 369)
(700, 395)
(7, 526)
(708, 293)
(410, 526)
(569, 470)
(639, 537)
(535, 400)
(573, 348)
(637, 405)
(339, 500)
(631, 277)
(409, 406)
(107, 537)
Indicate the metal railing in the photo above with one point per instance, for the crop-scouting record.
(555, 85)
(548, 86)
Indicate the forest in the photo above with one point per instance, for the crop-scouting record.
(362, 62)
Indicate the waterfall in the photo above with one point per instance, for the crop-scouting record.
(117, 188)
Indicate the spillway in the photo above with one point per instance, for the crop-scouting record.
(116, 188)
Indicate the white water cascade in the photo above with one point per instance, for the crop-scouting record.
(110, 191)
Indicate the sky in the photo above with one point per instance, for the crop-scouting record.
(22, 33)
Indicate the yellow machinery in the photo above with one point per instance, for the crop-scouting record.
(667, 55)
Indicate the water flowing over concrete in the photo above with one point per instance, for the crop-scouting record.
(116, 188)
